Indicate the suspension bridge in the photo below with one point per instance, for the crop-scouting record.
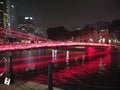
(89, 43)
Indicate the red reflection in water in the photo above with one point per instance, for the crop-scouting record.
(73, 72)
(63, 76)
(80, 70)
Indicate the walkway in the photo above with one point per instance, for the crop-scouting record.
(25, 86)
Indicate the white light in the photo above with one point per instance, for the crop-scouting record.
(26, 17)
(100, 40)
(31, 18)
(115, 41)
(103, 40)
(1, 2)
(91, 40)
(109, 41)
(12, 6)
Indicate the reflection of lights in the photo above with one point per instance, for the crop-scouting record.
(80, 70)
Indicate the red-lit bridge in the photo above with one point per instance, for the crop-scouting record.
(12, 47)
(47, 44)
(91, 49)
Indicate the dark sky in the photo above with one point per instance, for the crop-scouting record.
(51, 13)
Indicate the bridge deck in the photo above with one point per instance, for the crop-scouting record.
(12, 47)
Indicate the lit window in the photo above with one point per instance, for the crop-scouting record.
(109, 41)
(12, 6)
(31, 18)
(1, 3)
(103, 40)
(26, 17)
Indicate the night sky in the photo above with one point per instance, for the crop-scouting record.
(52, 13)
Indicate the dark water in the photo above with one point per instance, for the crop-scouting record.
(72, 70)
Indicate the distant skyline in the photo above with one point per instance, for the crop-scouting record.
(53, 13)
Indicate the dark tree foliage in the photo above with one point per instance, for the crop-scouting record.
(115, 27)
(58, 33)
(11, 39)
(102, 25)
(88, 29)
(75, 33)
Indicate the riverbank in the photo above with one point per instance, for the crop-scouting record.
(25, 86)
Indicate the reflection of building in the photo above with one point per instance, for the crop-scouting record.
(7, 14)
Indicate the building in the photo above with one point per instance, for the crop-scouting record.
(3, 14)
(11, 14)
(7, 14)
(27, 25)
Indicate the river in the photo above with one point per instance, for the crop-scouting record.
(72, 70)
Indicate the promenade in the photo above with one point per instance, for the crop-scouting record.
(25, 86)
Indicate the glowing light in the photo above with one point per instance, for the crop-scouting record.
(12, 6)
(109, 41)
(26, 18)
(1, 2)
(31, 18)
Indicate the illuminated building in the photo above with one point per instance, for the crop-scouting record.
(7, 14)
(3, 14)
(26, 25)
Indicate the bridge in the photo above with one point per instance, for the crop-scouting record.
(95, 39)
(89, 46)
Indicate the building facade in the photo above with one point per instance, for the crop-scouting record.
(3, 14)
(27, 25)
(7, 14)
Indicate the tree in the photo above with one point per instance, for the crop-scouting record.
(88, 29)
(101, 25)
(75, 33)
(115, 27)
(58, 33)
